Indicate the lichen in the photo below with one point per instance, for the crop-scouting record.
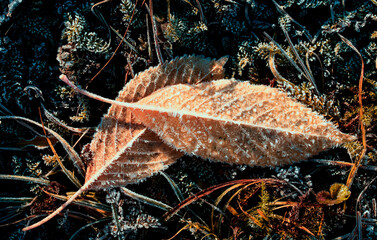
(75, 33)
(181, 31)
(127, 8)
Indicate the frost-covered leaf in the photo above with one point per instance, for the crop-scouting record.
(236, 122)
(224, 120)
(148, 155)
(125, 151)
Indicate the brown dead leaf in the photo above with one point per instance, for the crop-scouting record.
(125, 151)
(224, 120)
(236, 122)
(148, 154)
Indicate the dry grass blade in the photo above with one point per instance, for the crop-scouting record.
(69, 174)
(354, 168)
(359, 218)
(207, 191)
(256, 221)
(277, 75)
(84, 203)
(145, 199)
(16, 199)
(25, 178)
(304, 71)
(174, 186)
(283, 52)
(154, 30)
(346, 164)
(18, 221)
(8, 112)
(71, 152)
(179, 195)
(55, 120)
(308, 74)
(219, 198)
(116, 50)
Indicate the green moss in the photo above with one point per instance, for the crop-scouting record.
(75, 33)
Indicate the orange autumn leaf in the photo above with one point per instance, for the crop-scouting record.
(148, 154)
(224, 120)
(123, 150)
(237, 122)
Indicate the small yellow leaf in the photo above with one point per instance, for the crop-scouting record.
(340, 191)
(338, 194)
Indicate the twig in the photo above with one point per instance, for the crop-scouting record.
(346, 164)
(202, 17)
(145, 199)
(26, 179)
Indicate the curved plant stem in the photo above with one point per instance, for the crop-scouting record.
(356, 165)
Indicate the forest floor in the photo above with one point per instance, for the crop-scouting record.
(321, 53)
